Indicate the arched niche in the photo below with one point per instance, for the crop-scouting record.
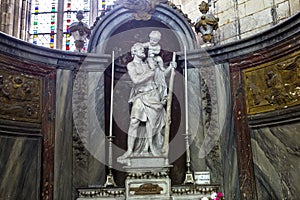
(176, 32)
(118, 31)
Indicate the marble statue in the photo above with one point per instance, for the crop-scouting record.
(156, 63)
(147, 118)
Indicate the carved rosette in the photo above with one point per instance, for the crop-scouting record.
(143, 9)
(274, 85)
(20, 96)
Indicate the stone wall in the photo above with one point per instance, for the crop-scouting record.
(242, 18)
(15, 17)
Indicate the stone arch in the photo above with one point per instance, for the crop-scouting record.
(164, 14)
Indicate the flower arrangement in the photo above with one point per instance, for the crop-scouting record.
(215, 196)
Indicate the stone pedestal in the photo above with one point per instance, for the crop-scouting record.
(146, 162)
(142, 163)
(148, 178)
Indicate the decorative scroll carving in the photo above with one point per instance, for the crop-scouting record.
(20, 97)
(143, 9)
(274, 85)
(118, 193)
(147, 175)
(194, 189)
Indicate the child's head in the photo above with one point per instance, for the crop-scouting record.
(155, 37)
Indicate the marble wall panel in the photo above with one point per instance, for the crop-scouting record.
(210, 146)
(63, 135)
(196, 126)
(20, 166)
(96, 129)
(89, 154)
(276, 157)
(227, 137)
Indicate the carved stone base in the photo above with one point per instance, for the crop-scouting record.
(146, 164)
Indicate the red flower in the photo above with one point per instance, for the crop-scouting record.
(220, 195)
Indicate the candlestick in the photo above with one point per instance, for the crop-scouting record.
(189, 179)
(112, 93)
(109, 177)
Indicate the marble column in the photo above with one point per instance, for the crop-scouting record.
(227, 137)
(63, 136)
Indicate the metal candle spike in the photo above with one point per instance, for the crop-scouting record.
(189, 179)
(109, 177)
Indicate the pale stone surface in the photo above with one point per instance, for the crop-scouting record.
(242, 12)
(283, 10)
(229, 31)
(255, 21)
(254, 15)
(254, 6)
(223, 5)
(255, 31)
(227, 17)
(141, 163)
(295, 6)
(280, 1)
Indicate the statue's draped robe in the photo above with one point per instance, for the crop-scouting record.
(147, 107)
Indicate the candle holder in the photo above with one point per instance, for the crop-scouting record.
(109, 177)
(110, 182)
(189, 179)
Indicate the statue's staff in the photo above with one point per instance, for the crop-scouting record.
(169, 104)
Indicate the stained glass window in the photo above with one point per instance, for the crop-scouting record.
(42, 30)
(44, 20)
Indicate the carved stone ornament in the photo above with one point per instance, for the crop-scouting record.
(274, 85)
(143, 9)
(80, 31)
(207, 23)
(20, 97)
